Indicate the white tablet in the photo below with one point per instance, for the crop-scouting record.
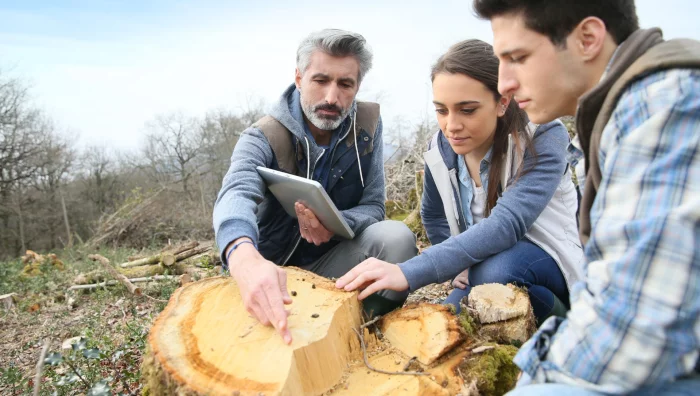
(289, 189)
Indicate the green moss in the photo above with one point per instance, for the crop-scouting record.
(415, 224)
(396, 210)
(467, 323)
(493, 370)
(412, 200)
(206, 261)
(32, 270)
(399, 217)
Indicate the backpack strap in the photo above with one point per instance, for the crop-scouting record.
(367, 120)
(281, 142)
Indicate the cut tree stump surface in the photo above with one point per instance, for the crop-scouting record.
(495, 302)
(426, 331)
(441, 379)
(205, 342)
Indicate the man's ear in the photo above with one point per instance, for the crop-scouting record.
(503, 103)
(589, 38)
(297, 78)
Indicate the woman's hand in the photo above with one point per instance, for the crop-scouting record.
(371, 276)
(461, 281)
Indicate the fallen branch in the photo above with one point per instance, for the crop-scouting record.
(169, 258)
(144, 261)
(181, 248)
(192, 252)
(153, 278)
(93, 285)
(40, 366)
(482, 349)
(364, 356)
(132, 280)
(371, 322)
(121, 278)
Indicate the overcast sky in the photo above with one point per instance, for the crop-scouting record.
(104, 68)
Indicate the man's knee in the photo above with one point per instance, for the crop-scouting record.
(389, 240)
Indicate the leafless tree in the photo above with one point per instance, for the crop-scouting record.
(53, 172)
(409, 142)
(99, 177)
(173, 144)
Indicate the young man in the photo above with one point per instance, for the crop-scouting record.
(634, 324)
(316, 130)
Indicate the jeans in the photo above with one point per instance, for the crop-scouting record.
(525, 264)
(689, 386)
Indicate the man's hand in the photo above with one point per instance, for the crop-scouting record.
(461, 281)
(373, 275)
(263, 287)
(311, 229)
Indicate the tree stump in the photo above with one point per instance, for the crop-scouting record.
(504, 312)
(205, 343)
(7, 301)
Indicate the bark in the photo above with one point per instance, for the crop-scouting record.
(113, 271)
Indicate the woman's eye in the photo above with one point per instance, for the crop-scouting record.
(441, 111)
(468, 111)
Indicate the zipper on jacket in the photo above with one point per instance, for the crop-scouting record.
(340, 139)
(455, 191)
(296, 244)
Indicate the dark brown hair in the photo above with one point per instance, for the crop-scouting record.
(556, 19)
(475, 59)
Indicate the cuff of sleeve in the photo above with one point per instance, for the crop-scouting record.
(231, 230)
(530, 356)
(419, 271)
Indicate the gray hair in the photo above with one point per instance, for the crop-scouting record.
(335, 42)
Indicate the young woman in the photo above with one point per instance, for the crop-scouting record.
(498, 202)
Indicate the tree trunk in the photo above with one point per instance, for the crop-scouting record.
(65, 220)
(21, 228)
(331, 351)
(205, 212)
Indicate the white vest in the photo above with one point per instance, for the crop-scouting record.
(555, 231)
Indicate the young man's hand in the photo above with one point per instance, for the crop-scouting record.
(263, 287)
(310, 227)
(371, 276)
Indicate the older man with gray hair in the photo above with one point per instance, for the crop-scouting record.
(316, 130)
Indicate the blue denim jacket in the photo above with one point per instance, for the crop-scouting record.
(466, 191)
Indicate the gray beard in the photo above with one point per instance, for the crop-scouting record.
(323, 123)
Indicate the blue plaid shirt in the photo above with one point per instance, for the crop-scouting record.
(635, 321)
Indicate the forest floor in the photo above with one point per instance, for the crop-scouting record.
(107, 326)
